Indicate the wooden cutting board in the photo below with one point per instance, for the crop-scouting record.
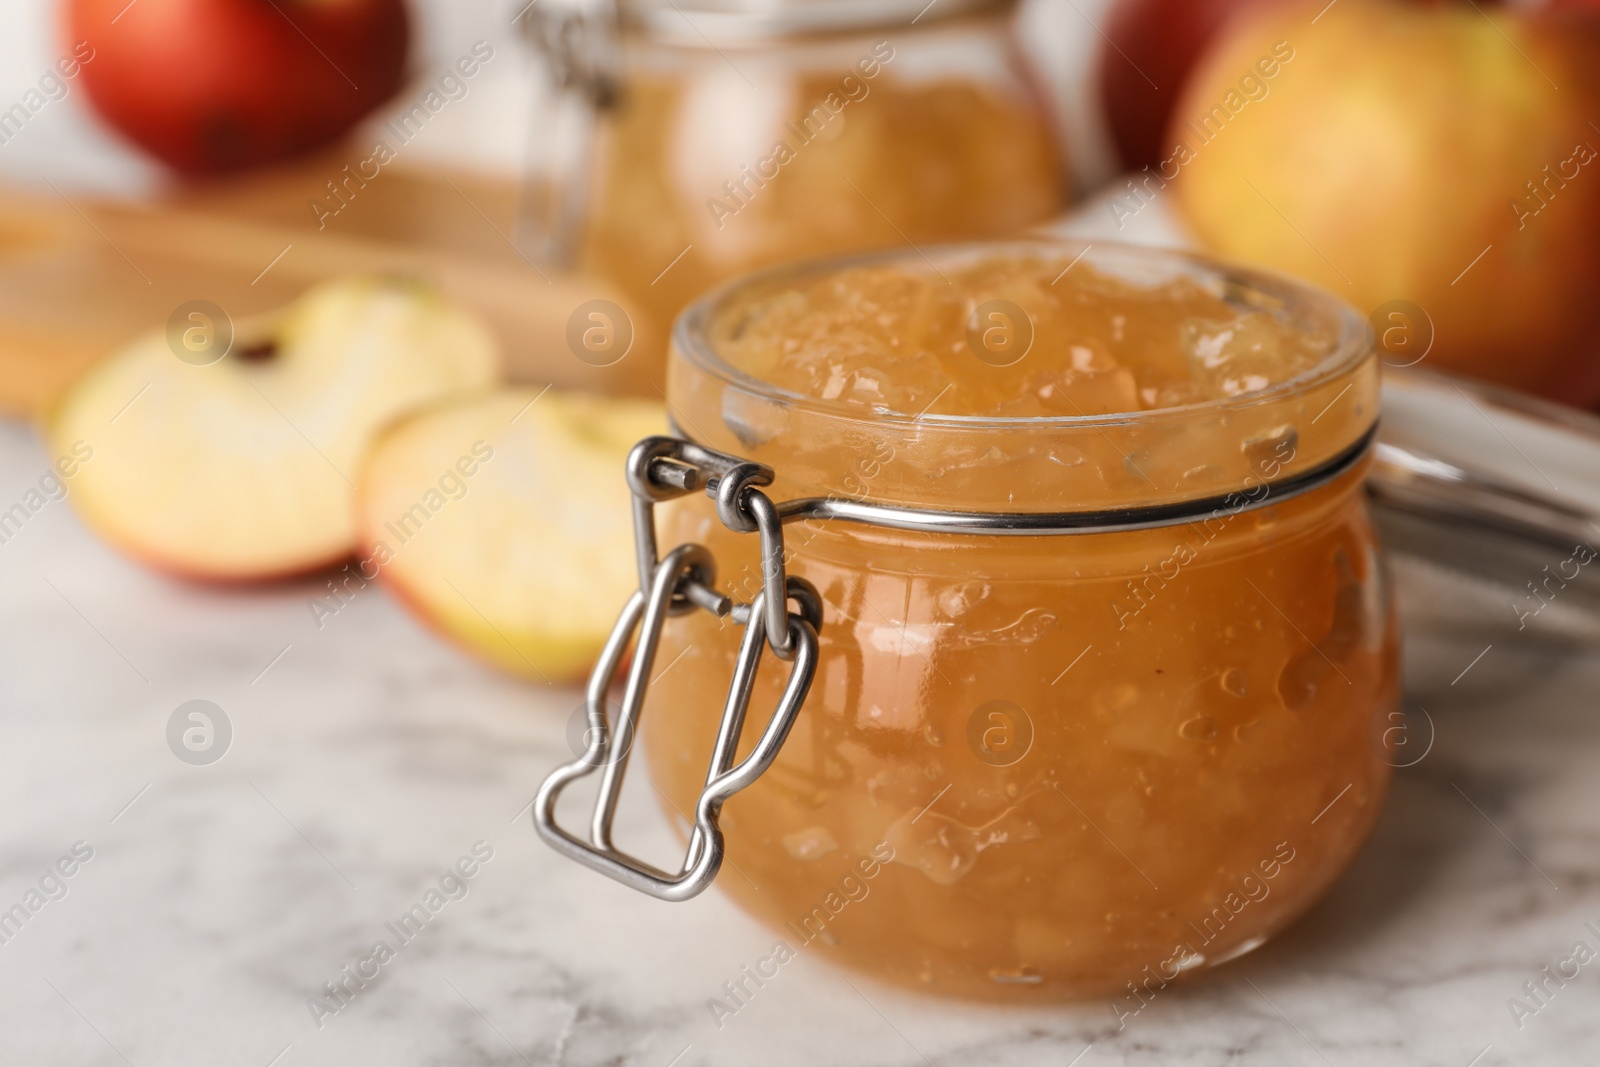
(80, 276)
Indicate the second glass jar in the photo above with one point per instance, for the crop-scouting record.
(726, 137)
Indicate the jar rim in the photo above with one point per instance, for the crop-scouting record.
(691, 340)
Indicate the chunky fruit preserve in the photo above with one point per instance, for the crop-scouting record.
(831, 137)
(1076, 764)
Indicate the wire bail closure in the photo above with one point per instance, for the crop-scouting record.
(663, 468)
(660, 469)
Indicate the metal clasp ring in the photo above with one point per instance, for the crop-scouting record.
(609, 744)
(660, 469)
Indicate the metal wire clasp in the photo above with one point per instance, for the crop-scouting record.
(659, 469)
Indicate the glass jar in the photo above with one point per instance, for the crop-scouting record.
(1083, 762)
(721, 136)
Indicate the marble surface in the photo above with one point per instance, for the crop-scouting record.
(367, 758)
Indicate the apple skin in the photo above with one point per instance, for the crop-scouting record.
(1162, 41)
(1388, 156)
(1156, 41)
(216, 85)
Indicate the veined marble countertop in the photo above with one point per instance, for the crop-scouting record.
(367, 759)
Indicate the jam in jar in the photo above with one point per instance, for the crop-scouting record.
(723, 136)
(1043, 765)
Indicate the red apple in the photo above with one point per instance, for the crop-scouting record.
(1149, 48)
(214, 85)
(1440, 155)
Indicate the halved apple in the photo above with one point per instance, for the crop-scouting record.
(505, 523)
(245, 467)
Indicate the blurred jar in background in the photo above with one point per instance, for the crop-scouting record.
(696, 140)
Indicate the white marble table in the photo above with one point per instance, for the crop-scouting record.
(367, 757)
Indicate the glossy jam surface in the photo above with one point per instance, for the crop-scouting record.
(1043, 767)
(706, 170)
(909, 338)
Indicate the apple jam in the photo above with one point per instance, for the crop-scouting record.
(713, 162)
(1042, 766)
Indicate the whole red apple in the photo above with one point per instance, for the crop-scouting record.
(1442, 155)
(1149, 48)
(214, 85)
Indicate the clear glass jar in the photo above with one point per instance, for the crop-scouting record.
(722, 137)
(1048, 766)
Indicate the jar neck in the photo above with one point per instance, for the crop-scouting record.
(1149, 459)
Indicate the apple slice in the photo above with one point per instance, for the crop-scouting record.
(505, 523)
(245, 467)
